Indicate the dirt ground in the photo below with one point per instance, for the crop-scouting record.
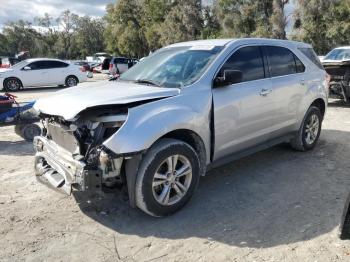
(276, 205)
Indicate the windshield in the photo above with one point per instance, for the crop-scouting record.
(338, 54)
(173, 67)
(20, 64)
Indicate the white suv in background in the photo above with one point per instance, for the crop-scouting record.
(40, 72)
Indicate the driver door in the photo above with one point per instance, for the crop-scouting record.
(244, 111)
(37, 75)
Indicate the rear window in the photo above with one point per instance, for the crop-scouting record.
(120, 60)
(310, 53)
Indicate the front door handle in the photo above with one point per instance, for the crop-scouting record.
(265, 92)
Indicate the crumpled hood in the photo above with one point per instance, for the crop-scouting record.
(71, 101)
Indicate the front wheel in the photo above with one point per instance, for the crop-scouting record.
(167, 177)
(12, 84)
(310, 130)
(28, 131)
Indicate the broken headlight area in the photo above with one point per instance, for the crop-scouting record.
(70, 154)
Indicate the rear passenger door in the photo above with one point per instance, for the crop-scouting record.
(288, 84)
(244, 111)
(56, 72)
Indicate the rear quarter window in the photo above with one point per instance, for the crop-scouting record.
(310, 53)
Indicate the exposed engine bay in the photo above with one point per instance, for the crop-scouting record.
(71, 155)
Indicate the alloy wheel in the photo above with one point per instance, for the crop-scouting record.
(71, 82)
(13, 85)
(172, 180)
(312, 129)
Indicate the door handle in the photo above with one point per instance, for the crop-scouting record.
(302, 82)
(265, 92)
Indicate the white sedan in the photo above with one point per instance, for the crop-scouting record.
(40, 72)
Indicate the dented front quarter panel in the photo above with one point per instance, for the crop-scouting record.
(145, 124)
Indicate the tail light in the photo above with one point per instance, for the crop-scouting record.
(82, 69)
(110, 66)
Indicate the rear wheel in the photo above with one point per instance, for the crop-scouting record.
(310, 130)
(12, 84)
(71, 81)
(167, 177)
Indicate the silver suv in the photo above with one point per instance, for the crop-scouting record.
(185, 109)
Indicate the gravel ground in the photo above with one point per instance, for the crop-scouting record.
(276, 205)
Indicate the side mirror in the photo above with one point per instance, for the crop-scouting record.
(230, 77)
(27, 68)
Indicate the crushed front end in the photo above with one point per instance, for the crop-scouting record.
(70, 155)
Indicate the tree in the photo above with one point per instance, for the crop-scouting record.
(211, 24)
(183, 22)
(89, 35)
(22, 36)
(124, 33)
(279, 19)
(154, 14)
(4, 47)
(48, 33)
(67, 23)
(245, 18)
(323, 23)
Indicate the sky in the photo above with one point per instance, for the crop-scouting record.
(12, 10)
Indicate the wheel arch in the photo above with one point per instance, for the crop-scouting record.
(12, 77)
(194, 140)
(77, 78)
(320, 103)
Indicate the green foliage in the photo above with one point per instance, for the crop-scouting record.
(136, 27)
(323, 23)
(124, 33)
(182, 23)
(68, 37)
(245, 18)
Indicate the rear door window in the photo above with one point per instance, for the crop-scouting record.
(55, 64)
(281, 61)
(248, 60)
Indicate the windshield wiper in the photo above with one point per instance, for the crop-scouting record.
(147, 81)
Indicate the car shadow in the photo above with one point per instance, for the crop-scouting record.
(16, 148)
(271, 198)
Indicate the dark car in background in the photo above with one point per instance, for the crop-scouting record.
(119, 65)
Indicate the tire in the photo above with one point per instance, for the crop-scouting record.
(12, 84)
(149, 195)
(304, 140)
(71, 81)
(28, 131)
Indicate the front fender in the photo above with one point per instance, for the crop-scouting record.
(145, 124)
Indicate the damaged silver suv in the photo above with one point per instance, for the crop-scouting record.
(185, 109)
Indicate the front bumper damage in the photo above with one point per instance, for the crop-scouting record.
(58, 168)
